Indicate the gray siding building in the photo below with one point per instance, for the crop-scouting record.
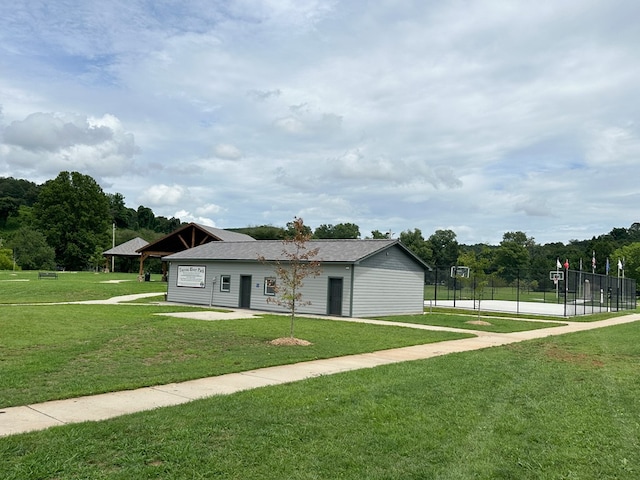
(359, 277)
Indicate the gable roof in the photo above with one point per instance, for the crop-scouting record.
(329, 251)
(127, 249)
(189, 236)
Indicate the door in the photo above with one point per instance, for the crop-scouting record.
(335, 296)
(245, 291)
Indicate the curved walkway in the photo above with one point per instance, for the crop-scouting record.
(40, 416)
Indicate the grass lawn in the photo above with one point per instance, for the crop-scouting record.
(24, 287)
(560, 408)
(469, 322)
(60, 351)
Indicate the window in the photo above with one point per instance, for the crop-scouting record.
(225, 283)
(270, 286)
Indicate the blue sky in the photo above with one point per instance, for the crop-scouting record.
(477, 116)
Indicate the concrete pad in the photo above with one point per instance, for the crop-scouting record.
(209, 315)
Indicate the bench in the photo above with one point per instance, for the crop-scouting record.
(47, 275)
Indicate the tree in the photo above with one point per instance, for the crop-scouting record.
(6, 259)
(377, 234)
(630, 255)
(341, 230)
(415, 242)
(298, 263)
(13, 194)
(262, 232)
(513, 254)
(291, 230)
(479, 264)
(146, 218)
(31, 250)
(444, 248)
(166, 225)
(72, 212)
(120, 215)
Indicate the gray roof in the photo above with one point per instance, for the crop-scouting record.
(331, 251)
(226, 235)
(127, 249)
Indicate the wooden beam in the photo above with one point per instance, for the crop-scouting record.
(143, 257)
(184, 242)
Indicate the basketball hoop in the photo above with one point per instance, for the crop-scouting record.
(556, 276)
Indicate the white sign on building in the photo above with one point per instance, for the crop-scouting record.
(191, 276)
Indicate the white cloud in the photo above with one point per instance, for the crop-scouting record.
(188, 217)
(163, 195)
(208, 209)
(227, 151)
(47, 142)
(490, 116)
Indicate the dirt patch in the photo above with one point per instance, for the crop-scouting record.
(556, 353)
(288, 341)
(478, 322)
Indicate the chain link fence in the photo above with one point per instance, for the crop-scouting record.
(579, 292)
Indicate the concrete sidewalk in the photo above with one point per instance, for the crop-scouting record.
(40, 416)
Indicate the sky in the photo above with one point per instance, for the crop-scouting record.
(482, 117)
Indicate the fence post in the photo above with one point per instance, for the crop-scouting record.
(435, 288)
(518, 293)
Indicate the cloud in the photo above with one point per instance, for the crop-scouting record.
(188, 217)
(46, 132)
(490, 116)
(50, 143)
(163, 195)
(208, 209)
(227, 151)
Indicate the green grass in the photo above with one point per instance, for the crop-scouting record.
(60, 351)
(498, 325)
(561, 408)
(25, 287)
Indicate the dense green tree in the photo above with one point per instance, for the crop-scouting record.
(444, 248)
(6, 259)
(292, 230)
(31, 250)
(629, 255)
(8, 206)
(13, 194)
(166, 225)
(72, 212)
(146, 218)
(120, 214)
(415, 242)
(513, 255)
(377, 234)
(341, 230)
(262, 232)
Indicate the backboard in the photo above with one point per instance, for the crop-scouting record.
(556, 275)
(458, 271)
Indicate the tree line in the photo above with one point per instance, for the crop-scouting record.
(67, 222)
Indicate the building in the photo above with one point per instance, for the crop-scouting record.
(187, 236)
(127, 250)
(360, 278)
